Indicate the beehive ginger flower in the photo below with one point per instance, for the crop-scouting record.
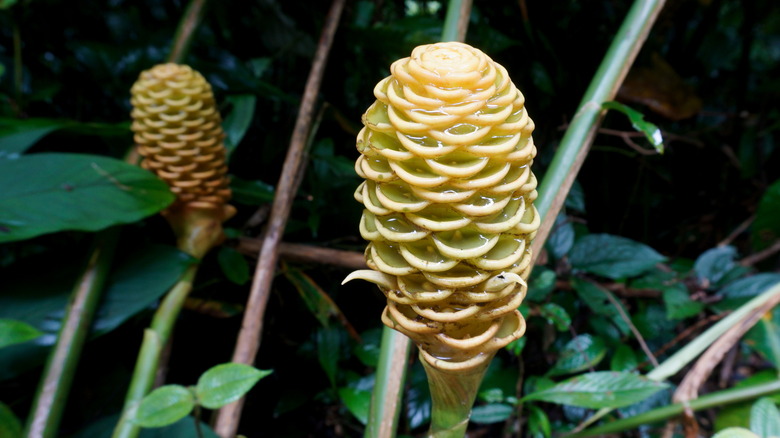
(446, 153)
(178, 130)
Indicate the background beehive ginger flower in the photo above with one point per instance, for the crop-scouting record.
(178, 131)
(446, 152)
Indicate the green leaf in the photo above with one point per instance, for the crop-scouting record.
(678, 302)
(319, 303)
(612, 256)
(735, 432)
(766, 228)
(16, 332)
(541, 283)
(357, 401)
(10, 426)
(624, 359)
(579, 354)
(227, 383)
(718, 265)
(238, 121)
(741, 291)
(368, 350)
(164, 406)
(251, 192)
(491, 413)
(600, 389)
(46, 193)
(561, 238)
(538, 423)
(765, 418)
(555, 315)
(18, 135)
(639, 123)
(233, 265)
(598, 299)
(328, 348)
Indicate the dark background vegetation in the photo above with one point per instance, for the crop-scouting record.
(707, 76)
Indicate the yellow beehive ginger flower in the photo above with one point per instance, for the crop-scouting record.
(446, 153)
(178, 131)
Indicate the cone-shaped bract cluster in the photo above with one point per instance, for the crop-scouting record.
(178, 131)
(446, 152)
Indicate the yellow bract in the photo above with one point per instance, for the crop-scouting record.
(446, 152)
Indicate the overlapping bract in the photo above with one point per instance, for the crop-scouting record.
(178, 131)
(445, 153)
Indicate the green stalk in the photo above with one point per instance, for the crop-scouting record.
(453, 394)
(394, 352)
(155, 339)
(576, 141)
(712, 400)
(182, 40)
(52, 393)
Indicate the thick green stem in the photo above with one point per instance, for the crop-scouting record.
(155, 338)
(186, 30)
(453, 394)
(712, 400)
(52, 394)
(576, 141)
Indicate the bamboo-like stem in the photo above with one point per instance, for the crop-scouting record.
(712, 400)
(155, 338)
(690, 351)
(385, 401)
(394, 353)
(576, 141)
(248, 341)
(182, 40)
(52, 393)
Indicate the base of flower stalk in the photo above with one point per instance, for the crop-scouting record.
(198, 227)
(453, 393)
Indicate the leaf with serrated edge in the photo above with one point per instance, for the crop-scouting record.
(765, 418)
(227, 383)
(612, 256)
(579, 354)
(164, 406)
(600, 389)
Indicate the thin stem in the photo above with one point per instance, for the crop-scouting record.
(576, 141)
(394, 355)
(53, 389)
(248, 341)
(182, 40)
(712, 400)
(390, 376)
(155, 338)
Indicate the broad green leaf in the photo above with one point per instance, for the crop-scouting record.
(598, 299)
(579, 354)
(736, 432)
(561, 238)
(718, 265)
(741, 291)
(555, 315)
(226, 383)
(251, 192)
(18, 135)
(185, 428)
(764, 337)
(678, 302)
(538, 423)
(765, 418)
(368, 350)
(612, 256)
(600, 389)
(624, 359)
(16, 332)
(328, 348)
(766, 228)
(10, 426)
(233, 265)
(491, 413)
(164, 406)
(575, 200)
(136, 281)
(46, 193)
(541, 283)
(238, 121)
(738, 414)
(639, 123)
(357, 401)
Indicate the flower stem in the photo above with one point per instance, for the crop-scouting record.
(155, 338)
(186, 30)
(453, 394)
(52, 394)
(390, 376)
